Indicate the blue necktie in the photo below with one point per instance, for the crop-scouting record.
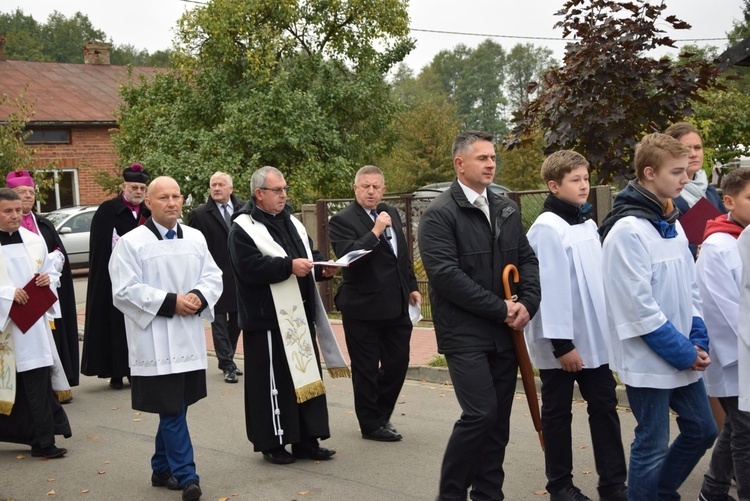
(170, 234)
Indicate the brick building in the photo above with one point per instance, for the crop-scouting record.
(74, 118)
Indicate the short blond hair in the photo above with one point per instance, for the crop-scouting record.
(560, 163)
(654, 149)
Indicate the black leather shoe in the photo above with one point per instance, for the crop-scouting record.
(316, 454)
(390, 426)
(191, 491)
(382, 434)
(238, 371)
(278, 456)
(116, 383)
(230, 376)
(50, 452)
(165, 479)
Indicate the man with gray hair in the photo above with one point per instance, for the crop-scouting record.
(374, 302)
(283, 323)
(214, 219)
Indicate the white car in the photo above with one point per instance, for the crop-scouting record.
(74, 226)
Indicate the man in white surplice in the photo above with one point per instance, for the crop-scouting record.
(29, 410)
(164, 280)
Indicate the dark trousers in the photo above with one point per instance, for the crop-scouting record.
(379, 354)
(598, 389)
(36, 386)
(225, 332)
(485, 383)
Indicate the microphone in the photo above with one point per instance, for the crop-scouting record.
(388, 232)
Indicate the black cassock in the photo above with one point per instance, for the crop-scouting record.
(105, 347)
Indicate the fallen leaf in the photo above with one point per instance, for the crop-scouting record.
(92, 437)
(106, 462)
(586, 472)
(101, 472)
(581, 447)
(20, 456)
(51, 493)
(401, 402)
(223, 499)
(136, 420)
(85, 491)
(137, 413)
(115, 408)
(302, 493)
(50, 480)
(541, 493)
(350, 412)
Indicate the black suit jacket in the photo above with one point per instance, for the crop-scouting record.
(377, 286)
(208, 219)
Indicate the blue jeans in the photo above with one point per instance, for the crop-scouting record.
(174, 449)
(657, 469)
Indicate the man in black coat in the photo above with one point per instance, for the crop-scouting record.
(65, 332)
(213, 219)
(374, 302)
(466, 238)
(105, 348)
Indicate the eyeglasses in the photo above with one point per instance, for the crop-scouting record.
(276, 191)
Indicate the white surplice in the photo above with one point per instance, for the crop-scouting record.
(649, 280)
(743, 331)
(34, 348)
(719, 275)
(573, 306)
(143, 270)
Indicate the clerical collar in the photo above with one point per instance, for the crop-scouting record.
(7, 238)
(28, 222)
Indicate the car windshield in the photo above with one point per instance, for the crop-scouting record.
(57, 217)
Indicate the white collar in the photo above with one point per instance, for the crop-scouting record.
(472, 195)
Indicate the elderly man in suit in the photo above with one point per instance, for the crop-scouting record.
(374, 301)
(214, 219)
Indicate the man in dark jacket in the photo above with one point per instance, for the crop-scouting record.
(283, 322)
(105, 347)
(466, 237)
(374, 301)
(213, 219)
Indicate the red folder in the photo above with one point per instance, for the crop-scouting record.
(694, 220)
(40, 300)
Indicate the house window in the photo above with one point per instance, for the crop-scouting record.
(64, 191)
(48, 136)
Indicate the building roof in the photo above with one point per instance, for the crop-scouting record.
(738, 54)
(67, 93)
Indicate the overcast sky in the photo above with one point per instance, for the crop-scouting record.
(149, 24)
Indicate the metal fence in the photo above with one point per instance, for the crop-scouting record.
(411, 209)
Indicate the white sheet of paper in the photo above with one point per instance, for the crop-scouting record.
(345, 260)
(415, 313)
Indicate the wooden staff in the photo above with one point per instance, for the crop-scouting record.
(522, 355)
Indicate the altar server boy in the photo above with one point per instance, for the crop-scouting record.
(566, 338)
(719, 275)
(658, 339)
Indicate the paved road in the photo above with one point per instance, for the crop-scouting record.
(109, 452)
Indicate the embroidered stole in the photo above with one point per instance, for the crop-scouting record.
(290, 312)
(35, 249)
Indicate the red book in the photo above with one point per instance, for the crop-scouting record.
(40, 300)
(694, 220)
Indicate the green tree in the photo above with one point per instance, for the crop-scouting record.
(23, 38)
(473, 79)
(64, 38)
(608, 93)
(525, 63)
(519, 169)
(14, 153)
(297, 85)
